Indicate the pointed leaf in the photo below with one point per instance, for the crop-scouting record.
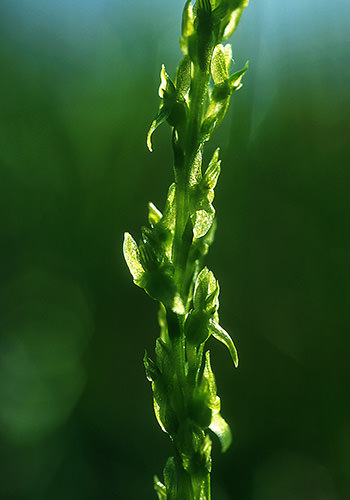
(132, 257)
(221, 428)
(220, 334)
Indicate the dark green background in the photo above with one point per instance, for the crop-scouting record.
(78, 90)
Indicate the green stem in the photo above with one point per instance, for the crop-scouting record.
(183, 384)
(182, 216)
(198, 93)
(199, 90)
(190, 485)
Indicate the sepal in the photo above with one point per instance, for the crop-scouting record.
(220, 63)
(235, 80)
(231, 20)
(162, 398)
(170, 208)
(217, 425)
(173, 107)
(183, 76)
(187, 27)
(133, 258)
(161, 117)
(222, 430)
(208, 380)
(197, 327)
(224, 87)
(212, 173)
(166, 87)
(202, 219)
(200, 246)
(151, 269)
(203, 212)
(204, 287)
(220, 334)
(154, 215)
(199, 410)
(196, 169)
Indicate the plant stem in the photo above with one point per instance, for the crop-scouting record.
(167, 263)
(191, 488)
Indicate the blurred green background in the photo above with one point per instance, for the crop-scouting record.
(78, 90)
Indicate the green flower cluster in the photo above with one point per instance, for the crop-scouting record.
(168, 260)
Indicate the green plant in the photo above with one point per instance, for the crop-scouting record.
(168, 261)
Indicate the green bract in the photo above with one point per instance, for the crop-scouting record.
(167, 260)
